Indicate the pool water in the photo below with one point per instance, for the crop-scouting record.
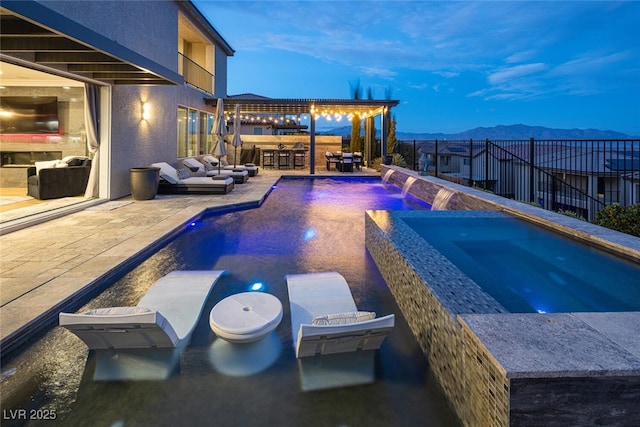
(528, 268)
(305, 225)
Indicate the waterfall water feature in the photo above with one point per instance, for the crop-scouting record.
(387, 175)
(407, 185)
(442, 199)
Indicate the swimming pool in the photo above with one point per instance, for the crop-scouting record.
(304, 225)
(528, 268)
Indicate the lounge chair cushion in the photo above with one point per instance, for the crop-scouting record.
(167, 172)
(193, 164)
(211, 160)
(343, 318)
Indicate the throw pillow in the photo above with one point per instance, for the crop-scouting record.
(184, 173)
(46, 165)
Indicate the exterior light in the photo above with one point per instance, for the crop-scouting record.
(146, 111)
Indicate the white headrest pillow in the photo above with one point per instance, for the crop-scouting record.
(343, 318)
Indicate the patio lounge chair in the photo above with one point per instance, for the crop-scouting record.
(145, 341)
(335, 344)
(239, 176)
(250, 168)
(171, 183)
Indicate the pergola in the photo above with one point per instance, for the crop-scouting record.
(253, 104)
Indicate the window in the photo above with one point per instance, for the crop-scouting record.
(182, 132)
(204, 143)
(257, 131)
(193, 133)
(601, 186)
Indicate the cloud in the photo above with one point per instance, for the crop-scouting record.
(591, 61)
(447, 74)
(506, 74)
(385, 73)
(420, 86)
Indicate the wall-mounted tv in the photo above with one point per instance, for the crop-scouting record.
(28, 114)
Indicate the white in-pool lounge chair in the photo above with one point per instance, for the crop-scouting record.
(240, 176)
(334, 343)
(171, 183)
(145, 341)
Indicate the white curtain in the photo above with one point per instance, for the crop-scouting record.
(91, 114)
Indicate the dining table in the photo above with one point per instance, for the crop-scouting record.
(335, 157)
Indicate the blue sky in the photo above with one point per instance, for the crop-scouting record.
(453, 65)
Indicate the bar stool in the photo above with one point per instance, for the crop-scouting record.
(268, 158)
(283, 159)
(299, 158)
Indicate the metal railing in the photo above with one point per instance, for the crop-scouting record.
(194, 74)
(580, 176)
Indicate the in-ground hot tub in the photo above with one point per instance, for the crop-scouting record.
(528, 268)
(501, 368)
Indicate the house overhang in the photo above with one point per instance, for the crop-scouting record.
(31, 32)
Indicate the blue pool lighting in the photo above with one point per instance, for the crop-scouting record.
(309, 234)
(258, 286)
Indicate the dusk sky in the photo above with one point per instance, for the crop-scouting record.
(453, 65)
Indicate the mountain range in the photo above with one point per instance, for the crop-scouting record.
(501, 132)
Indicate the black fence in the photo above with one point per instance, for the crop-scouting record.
(579, 176)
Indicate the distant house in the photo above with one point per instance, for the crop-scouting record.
(140, 71)
(575, 177)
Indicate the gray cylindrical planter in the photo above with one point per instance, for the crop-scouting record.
(144, 183)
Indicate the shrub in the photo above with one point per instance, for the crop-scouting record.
(376, 164)
(572, 214)
(398, 160)
(617, 217)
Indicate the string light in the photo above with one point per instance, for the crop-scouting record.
(329, 115)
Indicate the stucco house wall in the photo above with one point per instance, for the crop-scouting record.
(150, 29)
(147, 27)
